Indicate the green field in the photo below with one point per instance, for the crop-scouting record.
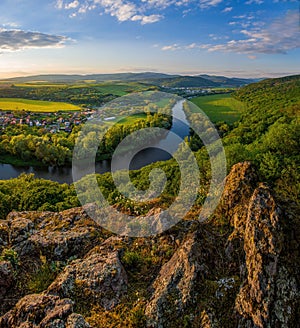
(220, 107)
(131, 119)
(12, 104)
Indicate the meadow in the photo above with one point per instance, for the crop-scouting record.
(219, 108)
(13, 104)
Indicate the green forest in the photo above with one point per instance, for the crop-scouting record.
(267, 134)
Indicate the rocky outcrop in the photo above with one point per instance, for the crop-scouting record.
(270, 293)
(230, 271)
(6, 277)
(177, 282)
(43, 311)
(208, 320)
(4, 239)
(239, 186)
(58, 235)
(99, 276)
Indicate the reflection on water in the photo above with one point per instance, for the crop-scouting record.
(143, 158)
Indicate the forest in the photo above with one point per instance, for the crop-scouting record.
(267, 134)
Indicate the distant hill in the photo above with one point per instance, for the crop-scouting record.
(184, 82)
(91, 77)
(159, 79)
(228, 82)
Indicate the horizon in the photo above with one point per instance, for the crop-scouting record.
(252, 39)
(215, 74)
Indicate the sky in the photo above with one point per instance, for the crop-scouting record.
(252, 38)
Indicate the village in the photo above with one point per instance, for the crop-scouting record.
(53, 122)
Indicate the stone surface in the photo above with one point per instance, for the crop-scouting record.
(99, 276)
(208, 320)
(239, 186)
(43, 311)
(4, 234)
(269, 293)
(176, 284)
(58, 235)
(6, 277)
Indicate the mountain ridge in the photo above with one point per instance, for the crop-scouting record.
(161, 79)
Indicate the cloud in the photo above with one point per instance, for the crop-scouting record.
(251, 2)
(59, 4)
(277, 38)
(227, 10)
(171, 47)
(14, 40)
(72, 5)
(144, 11)
(204, 4)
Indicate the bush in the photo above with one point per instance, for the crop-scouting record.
(8, 254)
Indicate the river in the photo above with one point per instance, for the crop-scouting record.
(147, 156)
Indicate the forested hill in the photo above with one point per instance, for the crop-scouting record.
(159, 79)
(268, 133)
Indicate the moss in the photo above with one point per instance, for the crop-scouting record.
(44, 276)
(8, 254)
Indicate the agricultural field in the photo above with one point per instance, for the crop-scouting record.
(127, 120)
(79, 94)
(221, 107)
(13, 104)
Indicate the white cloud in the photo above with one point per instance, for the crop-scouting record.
(151, 19)
(204, 4)
(144, 11)
(278, 38)
(227, 10)
(171, 47)
(14, 40)
(59, 4)
(257, 2)
(72, 5)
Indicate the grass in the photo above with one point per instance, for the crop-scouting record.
(13, 104)
(220, 107)
(127, 120)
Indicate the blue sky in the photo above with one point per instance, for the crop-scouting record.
(251, 38)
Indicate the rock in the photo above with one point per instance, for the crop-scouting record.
(76, 321)
(6, 277)
(4, 234)
(208, 320)
(58, 235)
(20, 228)
(38, 310)
(99, 276)
(269, 294)
(239, 186)
(175, 287)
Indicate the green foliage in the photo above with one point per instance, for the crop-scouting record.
(8, 254)
(268, 133)
(26, 193)
(83, 94)
(35, 145)
(132, 260)
(45, 275)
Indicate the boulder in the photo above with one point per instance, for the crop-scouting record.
(99, 276)
(43, 311)
(4, 234)
(6, 277)
(175, 288)
(269, 295)
(57, 235)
